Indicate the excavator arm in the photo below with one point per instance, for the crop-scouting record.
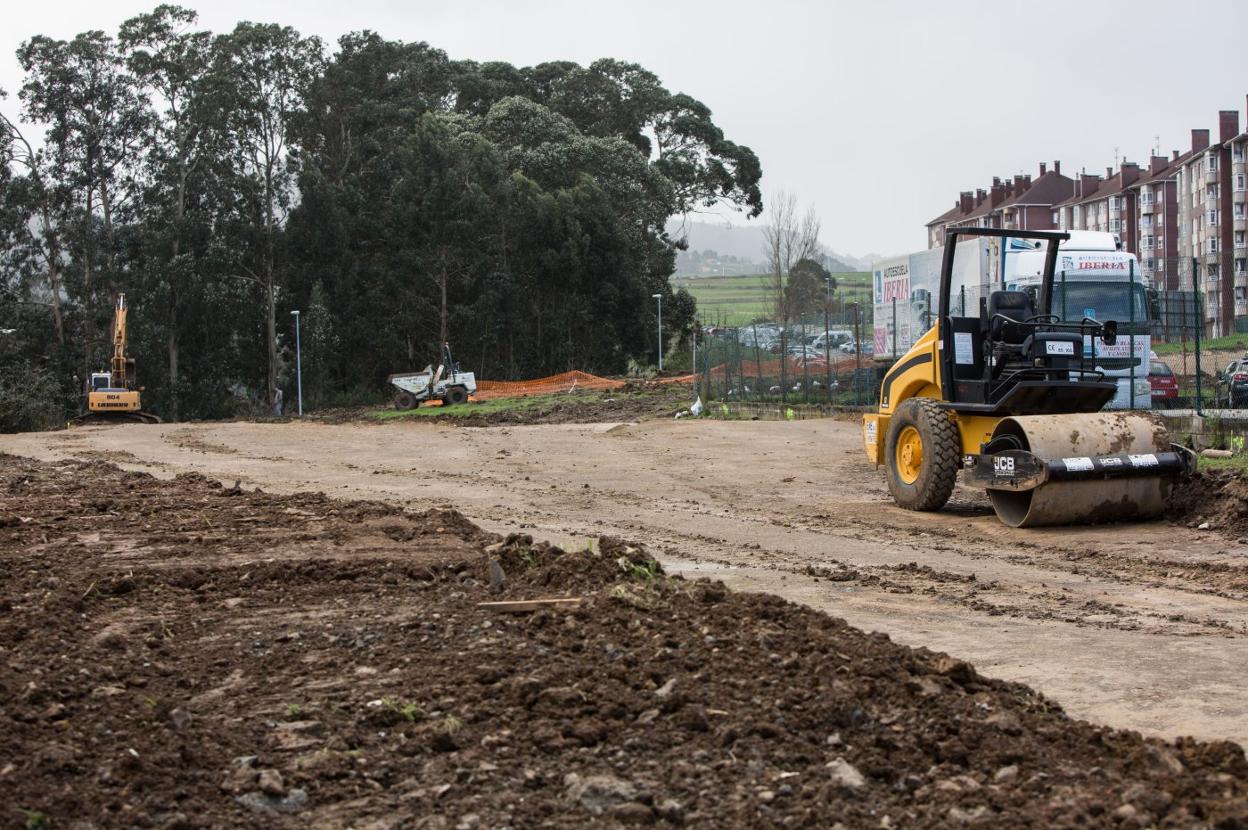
(121, 368)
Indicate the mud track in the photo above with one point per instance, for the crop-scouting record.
(1141, 626)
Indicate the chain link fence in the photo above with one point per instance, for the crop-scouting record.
(1182, 344)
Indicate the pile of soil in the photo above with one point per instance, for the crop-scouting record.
(183, 654)
(1218, 498)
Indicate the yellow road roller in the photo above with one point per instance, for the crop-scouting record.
(1011, 397)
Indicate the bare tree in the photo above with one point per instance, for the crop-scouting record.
(788, 239)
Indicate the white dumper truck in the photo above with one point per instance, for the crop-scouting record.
(1094, 279)
(446, 383)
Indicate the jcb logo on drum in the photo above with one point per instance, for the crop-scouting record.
(1003, 465)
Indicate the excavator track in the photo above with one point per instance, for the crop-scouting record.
(98, 418)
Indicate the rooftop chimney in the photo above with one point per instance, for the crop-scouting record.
(1200, 140)
(1057, 167)
(1158, 163)
(966, 200)
(1087, 185)
(1042, 171)
(1174, 155)
(1130, 172)
(1109, 172)
(1228, 125)
(980, 195)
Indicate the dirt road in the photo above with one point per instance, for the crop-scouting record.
(1141, 626)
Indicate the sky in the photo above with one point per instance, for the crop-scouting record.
(876, 112)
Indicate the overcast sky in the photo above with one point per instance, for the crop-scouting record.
(876, 112)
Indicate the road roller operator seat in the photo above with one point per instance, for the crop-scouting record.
(1018, 336)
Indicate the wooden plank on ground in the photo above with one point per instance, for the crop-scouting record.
(525, 606)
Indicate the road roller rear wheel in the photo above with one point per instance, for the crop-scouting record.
(922, 453)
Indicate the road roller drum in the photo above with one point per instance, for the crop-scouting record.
(1079, 468)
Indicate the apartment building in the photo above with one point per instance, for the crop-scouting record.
(1019, 203)
(1208, 210)
(1239, 218)
(1106, 204)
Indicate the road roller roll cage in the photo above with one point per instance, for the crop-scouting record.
(1015, 358)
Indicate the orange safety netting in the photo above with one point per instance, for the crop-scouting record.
(564, 382)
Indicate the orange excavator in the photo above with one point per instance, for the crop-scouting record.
(115, 395)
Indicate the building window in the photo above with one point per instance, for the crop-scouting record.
(1161, 264)
(1239, 267)
(1213, 245)
(1213, 217)
(1239, 239)
(1239, 182)
(1239, 210)
(1212, 162)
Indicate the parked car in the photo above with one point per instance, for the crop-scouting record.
(1235, 380)
(1161, 378)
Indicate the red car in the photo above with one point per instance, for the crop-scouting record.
(1161, 378)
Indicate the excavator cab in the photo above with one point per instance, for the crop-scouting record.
(1011, 395)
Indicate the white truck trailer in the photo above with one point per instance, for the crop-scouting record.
(1094, 279)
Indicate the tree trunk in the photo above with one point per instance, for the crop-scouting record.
(172, 344)
(442, 338)
(272, 332)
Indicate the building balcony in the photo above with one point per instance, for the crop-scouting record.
(1240, 223)
(1146, 208)
(1211, 176)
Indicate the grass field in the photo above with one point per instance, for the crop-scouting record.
(1232, 342)
(476, 408)
(734, 300)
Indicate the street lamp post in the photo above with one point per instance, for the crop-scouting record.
(298, 364)
(827, 342)
(659, 297)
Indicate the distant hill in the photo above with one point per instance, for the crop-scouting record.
(738, 249)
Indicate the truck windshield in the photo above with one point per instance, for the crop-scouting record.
(1103, 301)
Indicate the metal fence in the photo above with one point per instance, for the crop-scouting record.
(1176, 348)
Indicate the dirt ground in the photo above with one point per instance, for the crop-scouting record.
(1141, 626)
(181, 654)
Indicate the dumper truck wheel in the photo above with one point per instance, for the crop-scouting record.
(404, 400)
(922, 454)
(455, 396)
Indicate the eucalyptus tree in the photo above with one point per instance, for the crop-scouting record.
(265, 71)
(184, 151)
(96, 119)
(31, 262)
